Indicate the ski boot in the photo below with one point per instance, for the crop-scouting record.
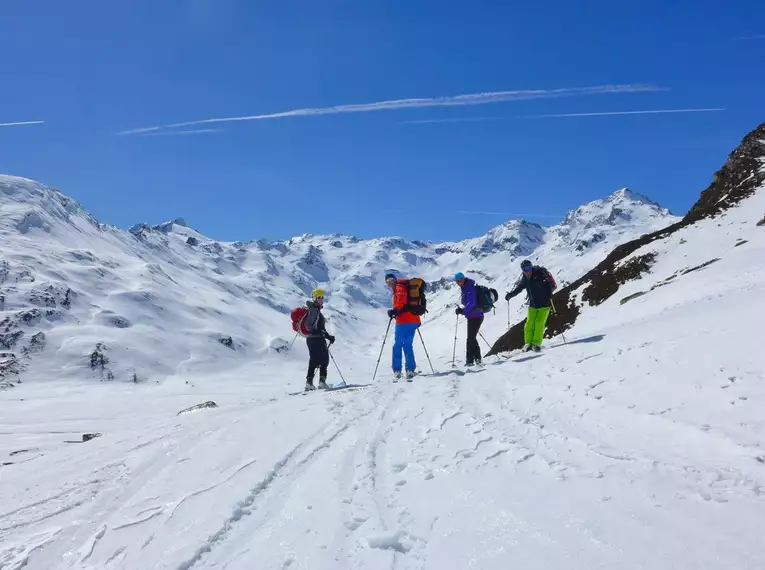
(323, 384)
(536, 348)
(409, 375)
(396, 377)
(309, 386)
(527, 348)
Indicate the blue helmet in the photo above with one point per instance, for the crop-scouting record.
(458, 276)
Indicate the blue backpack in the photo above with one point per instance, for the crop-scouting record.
(486, 298)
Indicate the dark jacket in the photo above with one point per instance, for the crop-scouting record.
(470, 300)
(314, 321)
(539, 287)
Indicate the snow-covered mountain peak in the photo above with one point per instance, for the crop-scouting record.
(28, 205)
(518, 237)
(622, 206)
(625, 194)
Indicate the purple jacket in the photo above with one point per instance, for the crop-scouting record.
(470, 300)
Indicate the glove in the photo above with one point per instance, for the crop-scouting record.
(459, 311)
(392, 313)
(331, 339)
(508, 296)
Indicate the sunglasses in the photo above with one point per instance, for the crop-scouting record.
(322, 298)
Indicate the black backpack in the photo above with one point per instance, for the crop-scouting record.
(486, 298)
(415, 296)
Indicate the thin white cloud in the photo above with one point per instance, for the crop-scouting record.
(177, 133)
(449, 101)
(507, 214)
(610, 113)
(747, 38)
(21, 123)
(454, 120)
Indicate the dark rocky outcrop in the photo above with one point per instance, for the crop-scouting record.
(191, 240)
(36, 344)
(629, 298)
(98, 358)
(614, 277)
(202, 406)
(9, 365)
(227, 341)
(51, 296)
(30, 317)
(702, 266)
(761, 222)
(119, 322)
(9, 339)
(737, 180)
(89, 436)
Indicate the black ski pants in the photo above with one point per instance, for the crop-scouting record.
(472, 349)
(318, 357)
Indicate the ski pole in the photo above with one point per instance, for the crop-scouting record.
(454, 352)
(555, 312)
(294, 339)
(426, 351)
(487, 344)
(381, 349)
(336, 366)
(508, 313)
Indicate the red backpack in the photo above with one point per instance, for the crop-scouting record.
(298, 316)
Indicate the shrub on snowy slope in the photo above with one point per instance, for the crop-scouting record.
(740, 178)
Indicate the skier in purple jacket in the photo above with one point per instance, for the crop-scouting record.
(474, 318)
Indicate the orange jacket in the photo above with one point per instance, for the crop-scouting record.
(399, 301)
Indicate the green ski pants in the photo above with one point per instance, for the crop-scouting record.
(534, 330)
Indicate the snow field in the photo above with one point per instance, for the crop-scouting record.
(619, 449)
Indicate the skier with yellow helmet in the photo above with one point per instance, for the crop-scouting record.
(317, 340)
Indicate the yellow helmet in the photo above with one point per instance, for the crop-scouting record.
(317, 293)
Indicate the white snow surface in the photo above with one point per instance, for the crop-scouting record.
(636, 444)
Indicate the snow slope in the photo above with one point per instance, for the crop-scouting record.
(626, 448)
(636, 445)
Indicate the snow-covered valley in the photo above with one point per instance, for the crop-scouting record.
(636, 443)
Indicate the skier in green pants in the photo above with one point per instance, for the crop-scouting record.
(539, 285)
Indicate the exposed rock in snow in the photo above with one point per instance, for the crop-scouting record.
(738, 179)
(203, 406)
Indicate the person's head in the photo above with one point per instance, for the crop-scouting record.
(317, 296)
(390, 280)
(459, 278)
(526, 267)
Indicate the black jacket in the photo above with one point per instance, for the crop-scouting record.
(539, 287)
(314, 321)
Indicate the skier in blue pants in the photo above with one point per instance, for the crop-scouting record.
(406, 327)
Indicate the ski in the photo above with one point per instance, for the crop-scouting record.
(332, 388)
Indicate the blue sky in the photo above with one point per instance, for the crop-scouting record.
(98, 72)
